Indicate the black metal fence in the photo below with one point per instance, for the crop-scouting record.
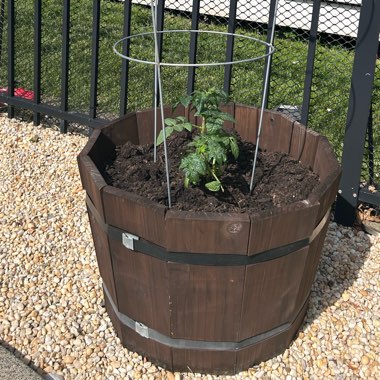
(56, 59)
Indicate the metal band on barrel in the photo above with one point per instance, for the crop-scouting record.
(151, 249)
(154, 335)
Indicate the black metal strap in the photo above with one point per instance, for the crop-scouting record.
(152, 334)
(161, 253)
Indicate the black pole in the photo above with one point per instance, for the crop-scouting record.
(2, 15)
(37, 59)
(95, 58)
(160, 38)
(65, 62)
(11, 54)
(272, 11)
(193, 46)
(125, 63)
(310, 62)
(230, 46)
(358, 112)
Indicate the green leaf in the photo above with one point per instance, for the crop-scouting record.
(216, 152)
(178, 127)
(227, 116)
(188, 126)
(186, 100)
(160, 138)
(170, 122)
(186, 182)
(213, 186)
(234, 147)
(194, 167)
(217, 114)
(214, 127)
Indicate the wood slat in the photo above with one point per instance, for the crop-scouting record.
(329, 171)
(325, 160)
(204, 300)
(102, 151)
(103, 256)
(198, 232)
(230, 109)
(142, 287)
(135, 214)
(122, 130)
(304, 144)
(92, 182)
(310, 269)
(281, 227)
(326, 193)
(276, 133)
(270, 293)
(269, 348)
(246, 122)
(90, 143)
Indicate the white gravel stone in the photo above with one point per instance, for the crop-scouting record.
(50, 290)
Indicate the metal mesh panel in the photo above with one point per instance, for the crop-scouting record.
(174, 49)
(247, 78)
(376, 125)
(111, 29)
(80, 55)
(333, 70)
(23, 45)
(211, 48)
(289, 61)
(371, 164)
(51, 52)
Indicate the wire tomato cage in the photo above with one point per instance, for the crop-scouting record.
(158, 63)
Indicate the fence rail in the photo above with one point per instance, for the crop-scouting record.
(69, 71)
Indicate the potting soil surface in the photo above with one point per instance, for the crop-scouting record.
(279, 179)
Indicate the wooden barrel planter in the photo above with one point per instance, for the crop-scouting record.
(209, 292)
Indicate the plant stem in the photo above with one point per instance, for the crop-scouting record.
(214, 175)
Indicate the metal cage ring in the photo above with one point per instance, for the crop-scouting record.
(269, 49)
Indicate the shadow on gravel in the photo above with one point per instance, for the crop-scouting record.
(344, 253)
(48, 122)
(17, 366)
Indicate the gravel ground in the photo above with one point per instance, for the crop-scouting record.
(50, 291)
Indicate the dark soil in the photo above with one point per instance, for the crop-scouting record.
(279, 179)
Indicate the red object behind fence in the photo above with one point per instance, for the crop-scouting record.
(19, 92)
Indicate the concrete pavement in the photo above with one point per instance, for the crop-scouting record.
(13, 368)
